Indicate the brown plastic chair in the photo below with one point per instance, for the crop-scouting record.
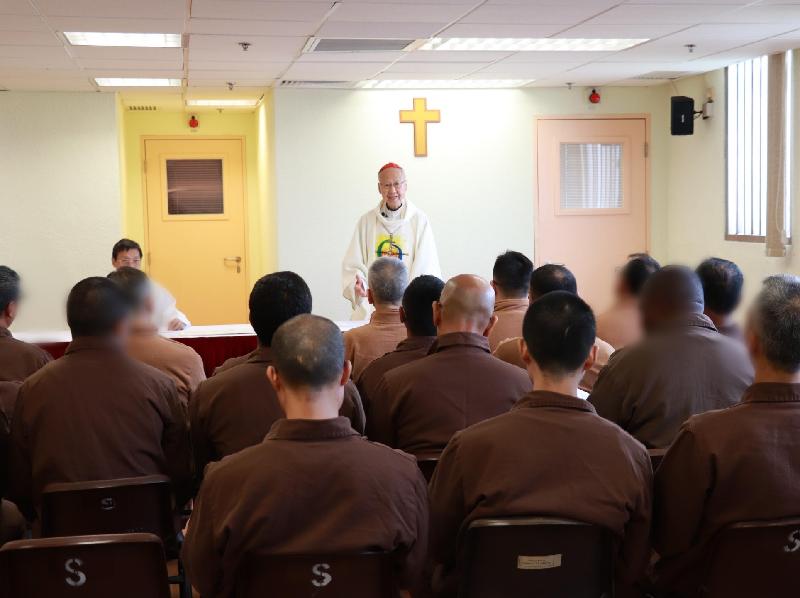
(427, 465)
(123, 506)
(324, 576)
(755, 558)
(656, 455)
(522, 557)
(118, 565)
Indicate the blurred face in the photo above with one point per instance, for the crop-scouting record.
(131, 258)
(392, 187)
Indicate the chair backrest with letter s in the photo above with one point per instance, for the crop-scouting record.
(118, 565)
(755, 558)
(322, 576)
(521, 557)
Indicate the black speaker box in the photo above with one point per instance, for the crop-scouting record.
(682, 121)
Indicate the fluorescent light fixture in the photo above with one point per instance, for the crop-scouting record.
(521, 44)
(443, 83)
(133, 40)
(136, 82)
(222, 103)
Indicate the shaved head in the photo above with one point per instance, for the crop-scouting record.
(466, 303)
(670, 292)
(308, 351)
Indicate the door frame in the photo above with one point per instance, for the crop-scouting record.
(647, 174)
(245, 203)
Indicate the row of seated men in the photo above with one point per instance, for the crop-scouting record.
(296, 474)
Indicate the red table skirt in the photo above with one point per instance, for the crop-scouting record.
(213, 349)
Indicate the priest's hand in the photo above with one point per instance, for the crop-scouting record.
(176, 324)
(360, 288)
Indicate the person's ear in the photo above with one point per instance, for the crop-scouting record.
(402, 315)
(437, 314)
(492, 322)
(753, 343)
(493, 284)
(523, 352)
(11, 311)
(370, 299)
(590, 359)
(274, 379)
(380, 190)
(347, 370)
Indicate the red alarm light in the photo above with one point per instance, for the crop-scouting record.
(594, 97)
(193, 122)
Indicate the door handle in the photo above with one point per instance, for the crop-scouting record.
(237, 260)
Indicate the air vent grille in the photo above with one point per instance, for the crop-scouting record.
(357, 45)
(142, 108)
(661, 75)
(318, 84)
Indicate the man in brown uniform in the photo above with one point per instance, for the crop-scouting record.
(579, 466)
(178, 361)
(388, 279)
(330, 490)
(736, 464)
(12, 523)
(96, 413)
(420, 405)
(18, 360)
(235, 408)
(722, 282)
(546, 279)
(682, 367)
(621, 324)
(511, 278)
(417, 316)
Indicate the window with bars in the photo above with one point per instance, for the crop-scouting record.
(758, 151)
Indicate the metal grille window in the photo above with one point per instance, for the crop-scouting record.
(591, 176)
(194, 187)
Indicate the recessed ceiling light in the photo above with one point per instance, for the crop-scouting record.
(136, 82)
(221, 103)
(443, 83)
(134, 40)
(520, 44)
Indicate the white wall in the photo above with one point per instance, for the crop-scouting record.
(696, 195)
(59, 195)
(477, 184)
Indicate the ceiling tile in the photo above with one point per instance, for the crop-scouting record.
(451, 56)
(778, 13)
(22, 23)
(264, 11)
(47, 63)
(502, 30)
(454, 74)
(108, 53)
(594, 30)
(29, 38)
(221, 66)
(346, 29)
(222, 84)
(374, 57)
(126, 65)
(16, 7)
(635, 14)
(268, 72)
(242, 27)
(331, 71)
(398, 13)
(38, 83)
(425, 68)
(157, 9)
(579, 57)
(140, 73)
(533, 14)
(524, 70)
(116, 25)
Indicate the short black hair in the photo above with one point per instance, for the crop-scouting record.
(125, 245)
(95, 306)
(512, 273)
(559, 330)
(134, 283)
(308, 351)
(275, 299)
(9, 287)
(637, 270)
(418, 304)
(722, 282)
(552, 277)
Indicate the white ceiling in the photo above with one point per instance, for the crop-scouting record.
(34, 56)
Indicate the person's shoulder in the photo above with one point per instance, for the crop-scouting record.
(231, 363)
(385, 455)
(151, 375)
(181, 351)
(34, 351)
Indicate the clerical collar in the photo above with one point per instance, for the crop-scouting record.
(390, 214)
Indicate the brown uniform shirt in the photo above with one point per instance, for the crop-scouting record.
(510, 313)
(408, 350)
(420, 405)
(96, 414)
(330, 491)
(687, 367)
(508, 351)
(727, 466)
(365, 344)
(178, 361)
(236, 408)
(579, 467)
(8, 398)
(233, 362)
(620, 326)
(732, 330)
(18, 359)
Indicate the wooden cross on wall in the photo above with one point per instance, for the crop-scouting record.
(420, 116)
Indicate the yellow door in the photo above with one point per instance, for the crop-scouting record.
(196, 226)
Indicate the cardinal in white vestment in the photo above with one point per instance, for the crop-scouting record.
(395, 228)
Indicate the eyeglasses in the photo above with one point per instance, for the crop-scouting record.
(396, 185)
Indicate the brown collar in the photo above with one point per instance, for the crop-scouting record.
(544, 398)
(5, 332)
(772, 392)
(460, 339)
(688, 321)
(93, 343)
(311, 429)
(511, 305)
(414, 343)
(385, 315)
(261, 354)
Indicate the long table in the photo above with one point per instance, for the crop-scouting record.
(215, 344)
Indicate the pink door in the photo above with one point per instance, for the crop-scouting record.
(592, 198)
